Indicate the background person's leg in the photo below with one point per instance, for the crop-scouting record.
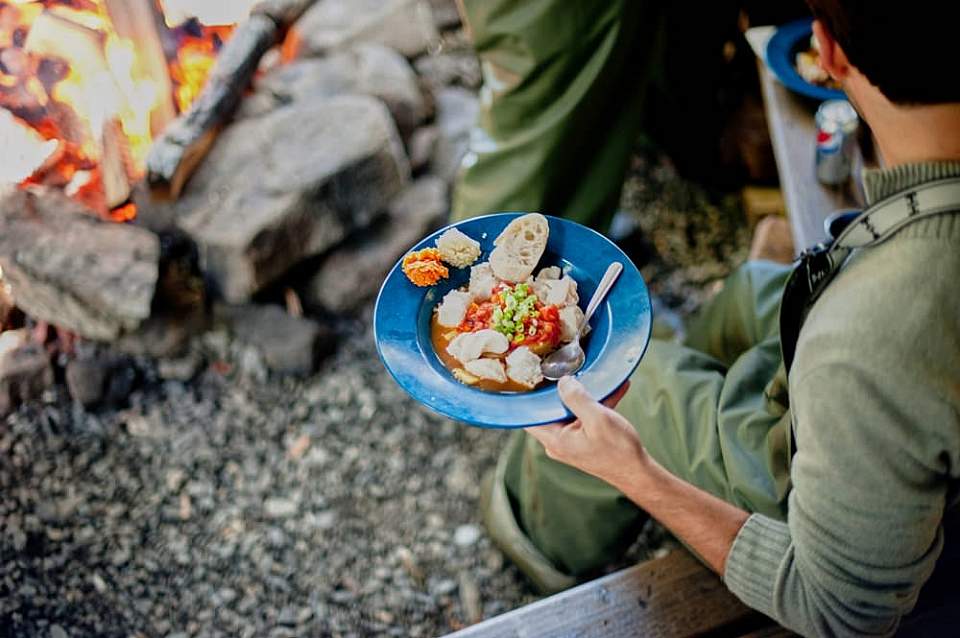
(562, 104)
(745, 312)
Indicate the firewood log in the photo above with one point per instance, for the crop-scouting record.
(185, 143)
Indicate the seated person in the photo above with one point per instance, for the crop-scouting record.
(820, 499)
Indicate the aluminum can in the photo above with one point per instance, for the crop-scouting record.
(837, 124)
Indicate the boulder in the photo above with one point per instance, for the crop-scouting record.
(69, 268)
(457, 112)
(353, 273)
(369, 69)
(445, 14)
(25, 372)
(422, 146)
(461, 68)
(288, 344)
(277, 189)
(406, 26)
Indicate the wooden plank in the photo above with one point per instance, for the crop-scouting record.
(670, 597)
(793, 133)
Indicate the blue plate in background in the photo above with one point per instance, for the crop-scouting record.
(621, 328)
(781, 59)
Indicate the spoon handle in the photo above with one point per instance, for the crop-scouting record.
(606, 283)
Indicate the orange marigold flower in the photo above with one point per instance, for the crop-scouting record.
(424, 267)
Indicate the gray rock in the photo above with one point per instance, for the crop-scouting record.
(56, 631)
(466, 535)
(404, 25)
(288, 344)
(69, 268)
(25, 373)
(182, 369)
(279, 188)
(445, 14)
(457, 112)
(162, 336)
(354, 272)
(279, 508)
(444, 587)
(422, 146)
(87, 380)
(288, 616)
(224, 596)
(447, 69)
(369, 69)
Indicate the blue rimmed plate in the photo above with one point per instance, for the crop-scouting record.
(781, 56)
(621, 328)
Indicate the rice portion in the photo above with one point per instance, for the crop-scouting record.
(457, 249)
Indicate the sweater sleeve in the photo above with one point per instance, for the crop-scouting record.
(863, 531)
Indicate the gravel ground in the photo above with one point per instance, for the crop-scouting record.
(235, 506)
(239, 504)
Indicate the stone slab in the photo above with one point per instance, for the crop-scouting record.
(406, 26)
(278, 189)
(368, 69)
(353, 273)
(69, 268)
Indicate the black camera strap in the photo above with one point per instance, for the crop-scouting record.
(817, 266)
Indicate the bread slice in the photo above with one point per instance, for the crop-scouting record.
(519, 247)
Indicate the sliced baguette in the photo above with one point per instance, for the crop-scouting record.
(519, 247)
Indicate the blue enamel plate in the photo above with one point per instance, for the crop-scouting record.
(782, 51)
(621, 328)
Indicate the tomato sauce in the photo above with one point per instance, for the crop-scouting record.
(541, 334)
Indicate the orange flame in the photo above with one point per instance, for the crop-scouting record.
(194, 61)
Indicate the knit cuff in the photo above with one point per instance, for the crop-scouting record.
(754, 560)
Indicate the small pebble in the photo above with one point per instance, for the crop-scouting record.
(466, 535)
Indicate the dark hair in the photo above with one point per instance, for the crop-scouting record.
(906, 49)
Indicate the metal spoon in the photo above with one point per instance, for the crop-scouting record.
(568, 359)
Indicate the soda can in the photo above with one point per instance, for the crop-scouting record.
(837, 124)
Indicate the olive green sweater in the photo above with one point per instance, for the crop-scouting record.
(875, 400)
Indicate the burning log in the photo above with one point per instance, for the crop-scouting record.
(56, 35)
(185, 143)
(114, 160)
(137, 20)
(67, 267)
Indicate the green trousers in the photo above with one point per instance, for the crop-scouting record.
(568, 87)
(712, 411)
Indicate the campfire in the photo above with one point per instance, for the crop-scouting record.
(166, 156)
(87, 85)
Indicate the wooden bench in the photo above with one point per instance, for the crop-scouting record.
(670, 597)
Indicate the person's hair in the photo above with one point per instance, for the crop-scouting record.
(908, 50)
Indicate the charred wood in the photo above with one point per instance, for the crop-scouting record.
(185, 143)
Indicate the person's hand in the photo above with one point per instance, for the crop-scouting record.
(600, 442)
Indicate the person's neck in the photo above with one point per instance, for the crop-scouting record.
(914, 134)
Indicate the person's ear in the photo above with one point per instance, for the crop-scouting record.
(832, 57)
